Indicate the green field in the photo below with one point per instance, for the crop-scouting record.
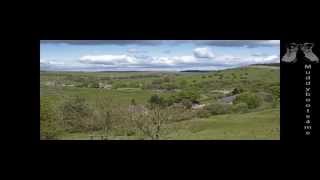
(113, 93)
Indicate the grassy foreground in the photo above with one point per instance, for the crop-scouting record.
(262, 125)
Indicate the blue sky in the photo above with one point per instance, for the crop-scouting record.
(154, 55)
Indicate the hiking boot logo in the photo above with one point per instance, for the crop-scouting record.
(291, 54)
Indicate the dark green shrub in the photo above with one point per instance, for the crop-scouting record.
(237, 91)
(251, 99)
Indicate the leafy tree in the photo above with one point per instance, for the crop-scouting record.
(76, 114)
(156, 100)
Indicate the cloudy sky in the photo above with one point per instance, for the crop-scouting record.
(154, 55)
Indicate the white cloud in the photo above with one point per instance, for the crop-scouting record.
(47, 62)
(175, 60)
(203, 53)
(238, 61)
(202, 58)
(199, 59)
(271, 42)
(108, 59)
(134, 50)
(228, 59)
(125, 60)
(162, 61)
(269, 59)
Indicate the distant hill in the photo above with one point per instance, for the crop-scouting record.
(269, 64)
(196, 71)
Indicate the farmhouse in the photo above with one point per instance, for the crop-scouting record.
(105, 86)
(198, 106)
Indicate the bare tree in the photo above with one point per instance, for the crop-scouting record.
(151, 121)
(105, 114)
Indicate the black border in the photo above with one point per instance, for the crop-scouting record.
(288, 133)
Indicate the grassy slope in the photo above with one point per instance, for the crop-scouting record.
(255, 125)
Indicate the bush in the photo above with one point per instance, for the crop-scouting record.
(186, 103)
(219, 108)
(181, 114)
(166, 79)
(157, 100)
(237, 91)
(267, 97)
(76, 114)
(240, 107)
(48, 121)
(251, 99)
(94, 85)
(275, 90)
(191, 95)
(203, 113)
